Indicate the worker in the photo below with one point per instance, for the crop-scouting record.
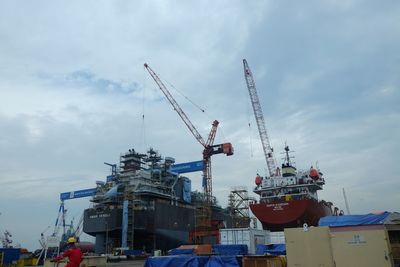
(73, 253)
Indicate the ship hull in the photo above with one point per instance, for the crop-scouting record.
(276, 216)
(163, 226)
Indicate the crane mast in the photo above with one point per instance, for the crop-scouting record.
(207, 174)
(255, 102)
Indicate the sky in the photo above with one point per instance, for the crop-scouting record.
(74, 94)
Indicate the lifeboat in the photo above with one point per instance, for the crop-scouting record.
(258, 180)
(314, 174)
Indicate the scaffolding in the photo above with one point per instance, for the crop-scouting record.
(239, 201)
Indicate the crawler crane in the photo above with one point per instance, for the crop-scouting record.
(255, 102)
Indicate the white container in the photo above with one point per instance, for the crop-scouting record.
(277, 238)
(157, 253)
(244, 236)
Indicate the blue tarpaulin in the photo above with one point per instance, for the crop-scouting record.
(351, 220)
(181, 251)
(10, 255)
(230, 249)
(271, 249)
(192, 261)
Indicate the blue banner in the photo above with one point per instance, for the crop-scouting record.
(78, 194)
(194, 166)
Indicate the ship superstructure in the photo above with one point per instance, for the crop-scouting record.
(146, 205)
(290, 199)
(291, 184)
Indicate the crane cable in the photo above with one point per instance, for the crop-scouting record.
(187, 98)
(193, 103)
(220, 129)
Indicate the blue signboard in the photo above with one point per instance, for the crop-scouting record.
(110, 178)
(194, 166)
(78, 194)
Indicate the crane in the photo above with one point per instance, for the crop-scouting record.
(255, 102)
(60, 221)
(209, 148)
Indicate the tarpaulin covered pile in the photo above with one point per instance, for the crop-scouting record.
(192, 261)
(271, 249)
(230, 249)
(366, 219)
(9, 255)
(181, 251)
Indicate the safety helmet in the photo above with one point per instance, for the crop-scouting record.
(71, 240)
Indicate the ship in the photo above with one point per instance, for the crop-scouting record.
(289, 198)
(147, 205)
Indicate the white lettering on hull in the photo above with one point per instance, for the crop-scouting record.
(277, 206)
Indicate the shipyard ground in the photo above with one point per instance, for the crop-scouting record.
(130, 263)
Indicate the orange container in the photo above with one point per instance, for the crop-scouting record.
(198, 249)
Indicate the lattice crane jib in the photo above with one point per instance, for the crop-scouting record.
(175, 105)
(209, 148)
(211, 135)
(255, 102)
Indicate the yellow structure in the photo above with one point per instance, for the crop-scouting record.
(368, 245)
(309, 249)
(361, 246)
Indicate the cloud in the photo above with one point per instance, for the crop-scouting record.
(85, 79)
(74, 94)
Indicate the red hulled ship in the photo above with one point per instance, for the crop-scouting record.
(289, 198)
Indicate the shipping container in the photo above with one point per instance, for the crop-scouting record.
(244, 236)
(363, 245)
(277, 237)
(309, 248)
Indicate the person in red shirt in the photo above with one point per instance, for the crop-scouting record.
(73, 253)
